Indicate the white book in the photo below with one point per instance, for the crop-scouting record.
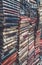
(4, 33)
(25, 62)
(20, 52)
(24, 33)
(23, 50)
(31, 38)
(10, 38)
(23, 56)
(31, 50)
(31, 42)
(36, 61)
(9, 44)
(23, 43)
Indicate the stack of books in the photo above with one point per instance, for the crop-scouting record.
(40, 11)
(23, 33)
(40, 45)
(31, 48)
(37, 48)
(33, 55)
(23, 40)
(40, 42)
(9, 34)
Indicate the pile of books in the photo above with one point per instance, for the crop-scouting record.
(37, 48)
(40, 42)
(23, 40)
(40, 45)
(23, 33)
(9, 34)
(31, 49)
(40, 11)
(33, 55)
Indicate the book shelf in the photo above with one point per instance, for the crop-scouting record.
(17, 36)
